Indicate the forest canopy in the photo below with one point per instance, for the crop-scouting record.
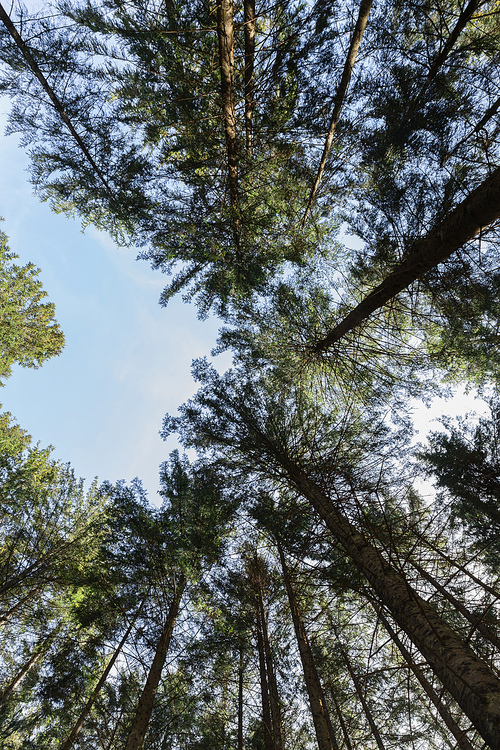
(325, 177)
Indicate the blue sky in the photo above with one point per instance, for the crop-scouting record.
(126, 361)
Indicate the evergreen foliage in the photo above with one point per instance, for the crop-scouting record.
(29, 333)
(294, 589)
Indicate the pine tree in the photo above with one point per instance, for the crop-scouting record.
(29, 333)
(258, 432)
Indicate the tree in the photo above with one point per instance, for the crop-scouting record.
(231, 229)
(465, 463)
(232, 142)
(271, 704)
(258, 431)
(51, 534)
(183, 543)
(48, 520)
(29, 333)
(479, 210)
(324, 730)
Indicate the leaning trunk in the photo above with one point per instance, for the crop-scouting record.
(364, 12)
(463, 19)
(458, 566)
(448, 720)
(35, 657)
(480, 209)
(338, 711)
(277, 730)
(321, 718)
(58, 106)
(475, 621)
(360, 693)
(95, 693)
(19, 605)
(490, 112)
(225, 33)
(249, 19)
(13, 684)
(467, 677)
(264, 689)
(146, 701)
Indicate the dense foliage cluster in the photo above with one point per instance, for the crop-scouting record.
(326, 178)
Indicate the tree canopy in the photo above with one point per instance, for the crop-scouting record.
(29, 333)
(326, 178)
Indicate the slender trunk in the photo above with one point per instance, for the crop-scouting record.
(490, 112)
(95, 693)
(274, 703)
(146, 701)
(39, 651)
(364, 12)
(223, 730)
(16, 607)
(463, 19)
(249, 19)
(35, 568)
(240, 700)
(474, 620)
(360, 692)
(264, 689)
(457, 565)
(321, 718)
(480, 209)
(459, 735)
(30, 60)
(9, 689)
(467, 677)
(338, 711)
(115, 729)
(225, 33)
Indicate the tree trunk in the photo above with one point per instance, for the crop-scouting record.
(459, 735)
(338, 711)
(58, 106)
(321, 718)
(249, 23)
(35, 568)
(467, 677)
(88, 706)
(364, 12)
(480, 209)
(274, 703)
(463, 19)
(264, 689)
(490, 112)
(474, 620)
(37, 654)
(359, 692)
(9, 689)
(110, 745)
(225, 33)
(18, 605)
(146, 701)
(435, 550)
(240, 700)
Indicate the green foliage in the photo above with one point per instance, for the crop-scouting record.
(29, 334)
(150, 104)
(465, 462)
(141, 83)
